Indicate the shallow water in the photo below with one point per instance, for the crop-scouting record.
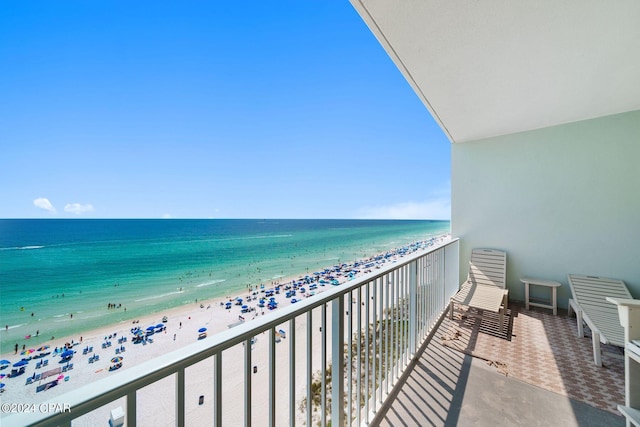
(58, 277)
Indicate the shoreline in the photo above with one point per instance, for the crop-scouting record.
(68, 310)
(181, 328)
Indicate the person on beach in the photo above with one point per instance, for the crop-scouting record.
(16, 349)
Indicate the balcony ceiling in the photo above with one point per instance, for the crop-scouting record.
(486, 68)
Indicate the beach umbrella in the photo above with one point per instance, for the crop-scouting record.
(116, 359)
(68, 353)
(27, 352)
(3, 375)
(201, 330)
(43, 348)
(4, 362)
(160, 325)
(20, 363)
(150, 328)
(2, 385)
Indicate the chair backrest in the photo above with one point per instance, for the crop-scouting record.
(488, 267)
(593, 291)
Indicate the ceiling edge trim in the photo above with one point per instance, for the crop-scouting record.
(386, 45)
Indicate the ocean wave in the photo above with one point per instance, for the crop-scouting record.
(271, 236)
(93, 317)
(21, 248)
(211, 282)
(158, 296)
(16, 326)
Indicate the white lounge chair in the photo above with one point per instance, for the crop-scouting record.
(591, 307)
(485, 287)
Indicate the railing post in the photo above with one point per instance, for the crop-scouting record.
(180, 421)
(131, 408)
(413, 307)
(272, 377)
(217, 390)
(337, 362)
(292, 372)
(247, 383)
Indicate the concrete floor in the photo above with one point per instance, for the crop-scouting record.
(446, 387)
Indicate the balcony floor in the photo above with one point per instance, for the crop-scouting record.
(537, 373)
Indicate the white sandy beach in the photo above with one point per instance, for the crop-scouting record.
(156, 402)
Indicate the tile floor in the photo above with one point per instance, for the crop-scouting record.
(543, 350)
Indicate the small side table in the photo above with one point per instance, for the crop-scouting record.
(540, 282)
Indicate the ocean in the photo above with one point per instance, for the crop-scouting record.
(59, 277)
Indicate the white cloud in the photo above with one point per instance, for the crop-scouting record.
(439, 208)
(44, 204)
(78, 209)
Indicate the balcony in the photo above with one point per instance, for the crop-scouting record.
(402, 363)
(542, 374)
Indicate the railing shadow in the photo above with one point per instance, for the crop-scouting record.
(445, 386)
(431, 391)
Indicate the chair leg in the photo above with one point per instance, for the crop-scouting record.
(570, 309)
(580, 327)
(503, 312)
(578, 311)
(597, 358)
(451, 310)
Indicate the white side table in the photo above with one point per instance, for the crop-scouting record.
(553, 303)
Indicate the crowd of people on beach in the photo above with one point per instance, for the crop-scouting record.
(260, 298)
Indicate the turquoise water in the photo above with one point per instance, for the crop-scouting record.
(67, 272)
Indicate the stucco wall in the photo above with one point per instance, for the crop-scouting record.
(559, 200)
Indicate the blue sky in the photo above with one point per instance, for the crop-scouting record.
(282, 109)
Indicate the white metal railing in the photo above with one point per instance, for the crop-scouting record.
(369, 330)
